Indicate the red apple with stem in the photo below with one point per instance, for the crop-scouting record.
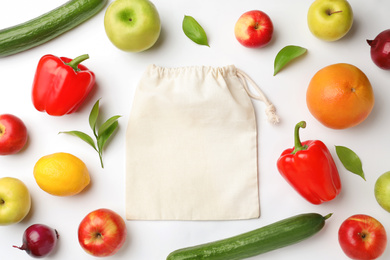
(254, 29)
(13, 134)
(362, 237)
(102, 232)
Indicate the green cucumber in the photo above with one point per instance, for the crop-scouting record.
(47, 26)
(279, 234)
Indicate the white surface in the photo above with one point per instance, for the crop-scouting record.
(117, 76)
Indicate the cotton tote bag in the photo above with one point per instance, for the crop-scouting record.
(191, 145)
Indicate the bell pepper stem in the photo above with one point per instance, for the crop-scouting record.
(76, 61)
(297, 142)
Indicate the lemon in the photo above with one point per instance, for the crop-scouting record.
(61, 174)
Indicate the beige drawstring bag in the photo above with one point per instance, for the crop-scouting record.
(191, 145)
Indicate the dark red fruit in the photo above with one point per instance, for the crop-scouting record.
(380, 49)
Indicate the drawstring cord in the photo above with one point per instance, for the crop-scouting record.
(270, 109)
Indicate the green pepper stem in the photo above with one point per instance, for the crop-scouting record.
(297, 142)
(76, 61)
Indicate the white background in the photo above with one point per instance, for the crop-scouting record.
(117, 76)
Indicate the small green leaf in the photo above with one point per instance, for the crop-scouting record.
(194, 31)
(102, 139)
(285, 55)
(350, 160)
(83, 136)
(93, 116)
(107, 124)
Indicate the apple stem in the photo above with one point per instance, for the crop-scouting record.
(2, 201)
(369, 42)
(98, 235)
(330, 12)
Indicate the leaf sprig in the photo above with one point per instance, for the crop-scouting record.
(101, 134)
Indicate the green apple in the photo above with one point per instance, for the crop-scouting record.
(15, 200)
(382, 191)
(132, 25)
(330, 20)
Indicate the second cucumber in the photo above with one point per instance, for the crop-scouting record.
(47, 26)
(277, 235)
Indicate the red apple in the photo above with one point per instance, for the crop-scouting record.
(13, 134)
(102, 232)
(362, 237)
(254, 29)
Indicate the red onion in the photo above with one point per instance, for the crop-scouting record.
(39, 240)
(380, 49)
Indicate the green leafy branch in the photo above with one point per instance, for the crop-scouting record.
(101, 134)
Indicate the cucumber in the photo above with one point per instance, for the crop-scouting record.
(47, 26)
(279, 234)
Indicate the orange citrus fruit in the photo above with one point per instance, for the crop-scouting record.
(61, 174)
(340, 96)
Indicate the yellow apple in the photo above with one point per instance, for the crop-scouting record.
(15, 200)
(132, 25)
(382, 191)
(330, 20)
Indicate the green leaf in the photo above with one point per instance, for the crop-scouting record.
(107, 124)
(102, 139)
(285, 55)
(93, 116)
(350, 160)
(194, 31)
(83, 136)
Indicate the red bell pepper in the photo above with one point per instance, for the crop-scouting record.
(310, 169)
(61, 84)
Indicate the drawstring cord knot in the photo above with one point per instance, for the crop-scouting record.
(270, 110)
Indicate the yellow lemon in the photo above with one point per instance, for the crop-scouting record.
(61, 174)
